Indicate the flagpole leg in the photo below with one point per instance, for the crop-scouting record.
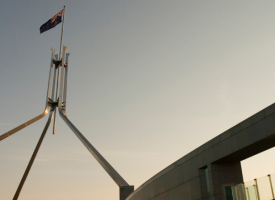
(54, 117)
(18, 128)
(61, 41)
(21, 184)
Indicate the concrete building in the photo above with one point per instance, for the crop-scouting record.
(208, 171)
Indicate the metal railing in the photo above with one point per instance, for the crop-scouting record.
(257, 189)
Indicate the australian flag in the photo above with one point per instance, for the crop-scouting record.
(51, 23)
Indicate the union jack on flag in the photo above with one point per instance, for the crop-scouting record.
(51, 23)
(57, 15)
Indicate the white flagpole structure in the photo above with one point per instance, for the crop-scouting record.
(60, 51)
(59, 102)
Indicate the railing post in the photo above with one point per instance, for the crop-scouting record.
(271, 186)
(257, 189)
(244, 193)
(247, 194)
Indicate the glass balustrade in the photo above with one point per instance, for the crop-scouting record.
(257, 189)
(264, 188)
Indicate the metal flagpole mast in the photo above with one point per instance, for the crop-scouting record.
(61, 41)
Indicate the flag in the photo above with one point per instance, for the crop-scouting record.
(51, 23)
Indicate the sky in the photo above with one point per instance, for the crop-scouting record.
(149, 81)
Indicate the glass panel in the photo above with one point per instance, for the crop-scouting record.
(228, 193)
(207, 181)
(264, 188)
(239, 192)
(234, 193)
(251, 192)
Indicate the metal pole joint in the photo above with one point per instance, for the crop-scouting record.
(57, 63)
(52, 103)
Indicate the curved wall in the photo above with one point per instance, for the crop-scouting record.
(203, 173)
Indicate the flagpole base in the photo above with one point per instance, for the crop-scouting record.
(125, 191)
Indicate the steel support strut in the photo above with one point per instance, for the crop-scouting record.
(21, 184)
(108, 168)
(56, 99)
(45, 112)
(18, 128)
(49, 104)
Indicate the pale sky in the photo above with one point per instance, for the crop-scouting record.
(149, 81)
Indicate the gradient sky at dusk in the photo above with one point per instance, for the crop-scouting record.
(149, 81)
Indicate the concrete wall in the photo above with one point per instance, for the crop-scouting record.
(185, 178)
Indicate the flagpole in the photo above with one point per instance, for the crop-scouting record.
(61, 41)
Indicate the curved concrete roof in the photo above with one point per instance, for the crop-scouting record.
(221, 156)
